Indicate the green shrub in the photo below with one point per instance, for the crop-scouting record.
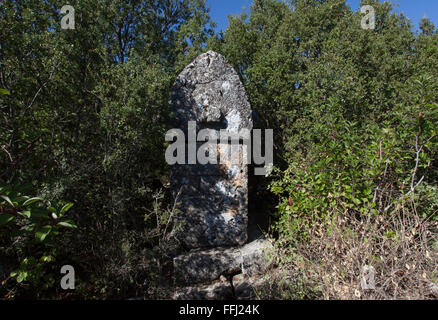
(363, 169)
(30, 229)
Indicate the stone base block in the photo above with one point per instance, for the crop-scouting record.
(240, 287)
(221, 290)
(206, 266)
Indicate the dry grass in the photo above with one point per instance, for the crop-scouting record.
(402, 247)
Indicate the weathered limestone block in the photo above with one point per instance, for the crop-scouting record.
(209, 265)
(220, 290)
(210, 92)
(241, 287)
(245, 287)
(213, 198)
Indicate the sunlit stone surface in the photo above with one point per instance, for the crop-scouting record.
(213, 198)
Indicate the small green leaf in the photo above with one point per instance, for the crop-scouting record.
(42, 233)
(65, 208)
(31, 200)
(6, 198)
(356, 201)
(21, 277)
(4, 91)
(47, 258)
(25, 214)
(67, 224)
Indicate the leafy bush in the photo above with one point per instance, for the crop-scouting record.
(355, 116)
(31, 229)
(84, 122)
(366, 171)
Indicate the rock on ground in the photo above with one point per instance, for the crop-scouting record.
(200, 274)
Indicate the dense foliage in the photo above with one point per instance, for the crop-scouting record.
(355, 114)
(84, 122)
(83, 116)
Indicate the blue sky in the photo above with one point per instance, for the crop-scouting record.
(413, 9)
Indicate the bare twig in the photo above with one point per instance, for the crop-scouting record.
(4, 149)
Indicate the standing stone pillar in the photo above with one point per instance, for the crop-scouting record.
(212, 198)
